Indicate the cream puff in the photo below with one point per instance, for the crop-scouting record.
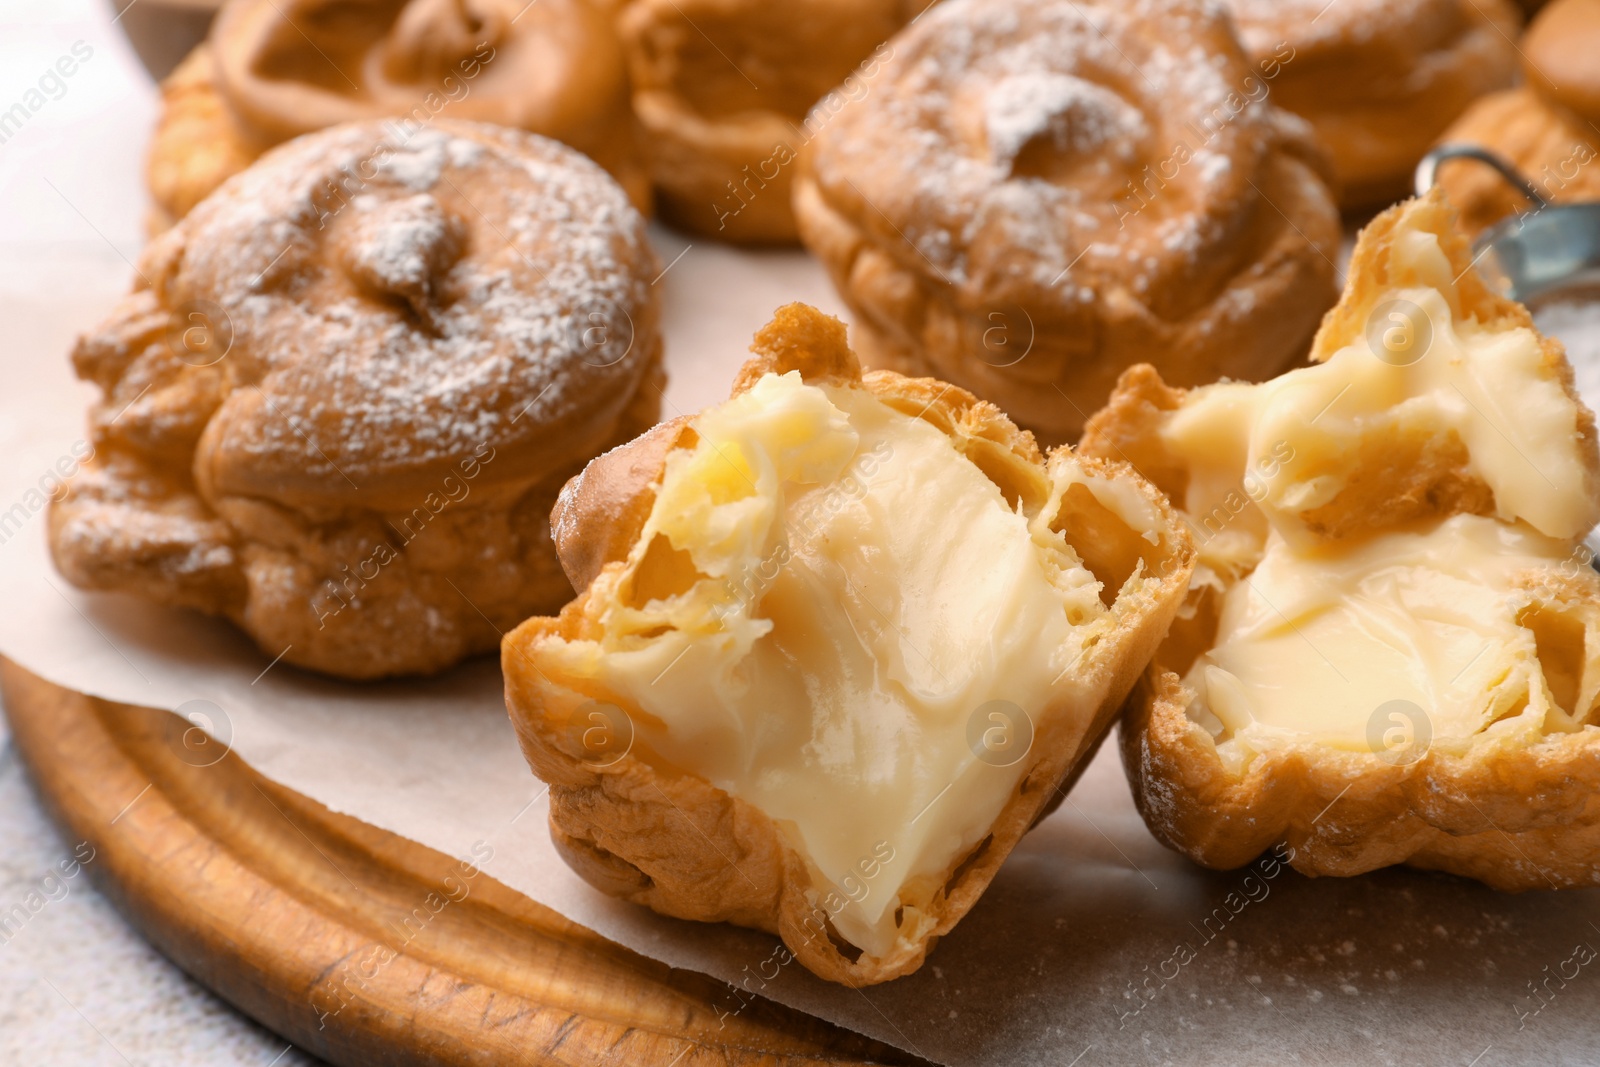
(1391, 648)
(339, 404)
(1379, 80)
(722, 89)
(839, 642)
(1544, 127)
(1035, 196)
(272, 70)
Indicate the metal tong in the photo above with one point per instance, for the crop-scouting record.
(1546, 248)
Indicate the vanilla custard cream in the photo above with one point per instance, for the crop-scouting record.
(1312, 644)
(825, 593)
(1315, 635)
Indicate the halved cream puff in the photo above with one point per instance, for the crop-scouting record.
(839, 642)
(1390, 652)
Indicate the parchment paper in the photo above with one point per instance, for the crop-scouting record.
(1094, 945)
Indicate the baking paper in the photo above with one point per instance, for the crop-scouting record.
(1094, 945)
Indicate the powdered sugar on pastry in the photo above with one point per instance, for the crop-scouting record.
(1039, 192)
(1264, 23)
(1077, 115)
(1106, 109)
(342, 407)
(353, 348)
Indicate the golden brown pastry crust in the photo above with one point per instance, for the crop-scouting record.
(1545, 127)
(722, 90)
(1364, 287)
(1516, 811)
(1379, 80)
(1015, 209)
(196, 145)
(340, 403)
(272, 70)
(682, 847)
(1558, 55)
(1347, 813)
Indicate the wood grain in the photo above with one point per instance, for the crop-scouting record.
(321, 927)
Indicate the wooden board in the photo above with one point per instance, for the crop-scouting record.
(299, 918)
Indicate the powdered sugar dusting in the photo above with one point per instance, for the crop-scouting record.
(1076, 114)
(401, 241)
(1130, 117)
(418, 164)
(400, 300)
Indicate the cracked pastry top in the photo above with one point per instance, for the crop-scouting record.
(1390, 652)
(272, 70)
(1034, 196)
(345, 391)
(839, 642)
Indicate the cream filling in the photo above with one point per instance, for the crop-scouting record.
(1294, 443)
(1409, 637)
(1322, 645)
(826, 596)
